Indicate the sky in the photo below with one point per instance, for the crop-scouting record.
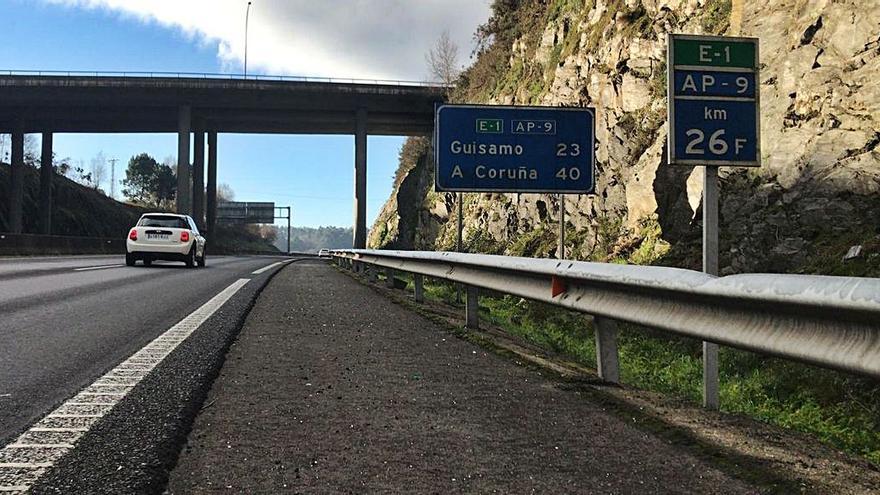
(362, 39)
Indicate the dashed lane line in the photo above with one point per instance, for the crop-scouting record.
(26, 459)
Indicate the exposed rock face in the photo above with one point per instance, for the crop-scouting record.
(820, 99)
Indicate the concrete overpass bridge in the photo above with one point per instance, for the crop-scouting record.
(200, 106)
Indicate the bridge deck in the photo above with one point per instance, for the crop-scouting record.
(150, 104)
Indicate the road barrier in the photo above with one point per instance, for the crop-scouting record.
(32, 244)
(832, 322)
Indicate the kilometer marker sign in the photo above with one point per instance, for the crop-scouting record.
(714, 101)
(489, 148)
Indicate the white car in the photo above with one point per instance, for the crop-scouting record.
(165, 236)
(324, 253)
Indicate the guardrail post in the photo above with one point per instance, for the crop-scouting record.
(389, 278)
(607, 363)
(374, 273)
(419, 285)
(711, 399)
(472, 308)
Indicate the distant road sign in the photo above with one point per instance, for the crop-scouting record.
(714, 101)
(480, 148)
(245, 212)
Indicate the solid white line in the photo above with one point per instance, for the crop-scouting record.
(58, 430)
(96, 268)
(186, 327)
(53, 416)
(14, 488)
(39, 446)
(25, 465)
(265, 268)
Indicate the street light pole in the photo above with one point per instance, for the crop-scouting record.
(247, 15)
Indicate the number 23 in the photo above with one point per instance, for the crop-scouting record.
(562, 149)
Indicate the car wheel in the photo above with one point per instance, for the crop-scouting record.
(191, 258)
(201, 261)
(148, 261)
(130, 259)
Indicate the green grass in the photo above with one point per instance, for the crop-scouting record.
(841, 410)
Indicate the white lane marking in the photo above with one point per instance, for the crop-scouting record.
(269, 267)
(24, 465)
(16, 452)
(85, 269)
(265, 268)
(39, 446)
(58, 430)
(53, 415)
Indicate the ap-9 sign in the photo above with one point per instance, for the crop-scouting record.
(714, 111)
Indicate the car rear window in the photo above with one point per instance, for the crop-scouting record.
(163, 221)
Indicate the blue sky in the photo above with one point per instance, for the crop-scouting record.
(314, 174)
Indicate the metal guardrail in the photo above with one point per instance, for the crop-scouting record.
(209, 75)
(833, 322)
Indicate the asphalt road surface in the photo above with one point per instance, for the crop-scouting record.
(67, 320)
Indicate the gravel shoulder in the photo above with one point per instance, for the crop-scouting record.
(333, 388)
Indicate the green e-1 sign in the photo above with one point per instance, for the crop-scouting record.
(715, 53)
(490, 126)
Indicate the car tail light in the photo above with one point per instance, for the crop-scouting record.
(184, 236)
(133, 235)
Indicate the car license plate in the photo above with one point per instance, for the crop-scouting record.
(159, 237)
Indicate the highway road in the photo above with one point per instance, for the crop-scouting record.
(67, 320)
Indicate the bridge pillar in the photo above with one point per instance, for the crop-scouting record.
(360, 180)
(16, 181)
(184, 124)
(198, 178)
(212, 184)
(46, 173)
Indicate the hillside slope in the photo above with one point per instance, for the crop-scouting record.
(76, 210)
(816, 194)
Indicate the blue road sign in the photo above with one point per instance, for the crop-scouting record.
(714, 101)
(514, 149)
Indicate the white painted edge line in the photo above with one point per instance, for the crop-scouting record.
(265, 268)
(102, 267)
(269, 267)
(16, 452)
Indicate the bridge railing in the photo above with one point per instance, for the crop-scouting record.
(832, 322)
(209, 75)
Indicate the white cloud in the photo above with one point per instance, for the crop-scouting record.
(384, 39)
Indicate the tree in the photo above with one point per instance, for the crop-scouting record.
(443, 60)
(98, 169)
(225, 193)
(148, 182)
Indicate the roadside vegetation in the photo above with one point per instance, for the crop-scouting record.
(839, 409)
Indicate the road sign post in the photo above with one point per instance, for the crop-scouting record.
(714, 120)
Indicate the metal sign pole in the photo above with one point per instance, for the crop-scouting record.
(458, 242)
(710, 266)
(288, 230)
(560, 254)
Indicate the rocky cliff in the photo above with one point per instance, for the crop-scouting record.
(816, 193)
